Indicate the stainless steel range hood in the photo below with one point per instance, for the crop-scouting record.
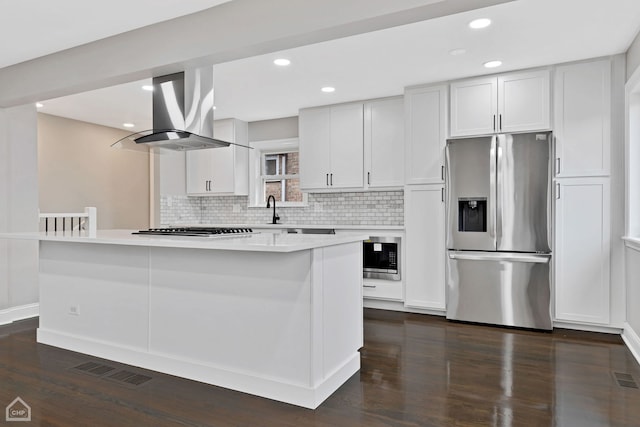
(182, 114)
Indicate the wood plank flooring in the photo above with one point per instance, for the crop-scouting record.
(416, 371)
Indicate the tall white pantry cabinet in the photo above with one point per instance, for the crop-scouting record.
(582, 109)
(425, 139)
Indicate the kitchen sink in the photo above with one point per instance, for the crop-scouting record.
(311, 231)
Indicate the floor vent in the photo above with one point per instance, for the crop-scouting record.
(130, 378)
(625, 380)
(123, 377)
(93, 368)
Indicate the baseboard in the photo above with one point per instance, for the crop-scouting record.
(295, 394)
(632, 340)
(399, 306)
(21, 312)
(587, 328)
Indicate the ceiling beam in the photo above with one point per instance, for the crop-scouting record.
(230, 31)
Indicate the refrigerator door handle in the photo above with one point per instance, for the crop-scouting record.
(491, 221)
(498, 256)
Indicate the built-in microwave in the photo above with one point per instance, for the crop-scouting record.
(381, 258)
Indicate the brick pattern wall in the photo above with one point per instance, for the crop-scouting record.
(363, 208)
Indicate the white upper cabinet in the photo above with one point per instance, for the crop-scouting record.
(583, 119)
(515, 102)
(384, 143)
(315, 153)
(474, 106)
(220, 171)
(331, 147)
(425, 134)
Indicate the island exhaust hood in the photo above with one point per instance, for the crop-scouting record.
(182, 114)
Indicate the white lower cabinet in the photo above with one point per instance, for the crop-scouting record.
(581, 253)
(382, 289)
(425, 247)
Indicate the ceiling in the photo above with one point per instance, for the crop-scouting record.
(43, 27)
(523, 34)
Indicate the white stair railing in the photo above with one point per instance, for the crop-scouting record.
(82, 221)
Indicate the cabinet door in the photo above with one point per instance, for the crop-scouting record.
(347, 146)
(198, 169)
(218, 170)
(210, 171)
(581, 253)
(384, 143)
(425, 247)
(523, 102)
(582, 119)
(474, 105)
(425, 134)
(314, 142)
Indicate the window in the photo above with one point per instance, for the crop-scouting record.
(280, 177)
(275, 172)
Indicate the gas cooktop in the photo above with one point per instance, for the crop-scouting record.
(195, 231)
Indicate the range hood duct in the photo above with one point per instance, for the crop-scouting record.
(182, 114)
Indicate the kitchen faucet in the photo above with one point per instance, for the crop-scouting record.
(275, 217)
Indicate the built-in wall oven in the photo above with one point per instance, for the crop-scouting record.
(381, 258)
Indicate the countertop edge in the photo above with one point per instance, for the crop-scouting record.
(269, 242)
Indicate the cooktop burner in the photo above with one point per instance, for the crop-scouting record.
(194, 231)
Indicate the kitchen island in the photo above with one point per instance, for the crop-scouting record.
(275, 315)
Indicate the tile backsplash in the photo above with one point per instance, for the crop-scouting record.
(361, 208)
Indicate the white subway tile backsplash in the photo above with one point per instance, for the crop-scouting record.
(369, 208)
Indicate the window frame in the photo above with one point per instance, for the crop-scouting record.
(257, 179)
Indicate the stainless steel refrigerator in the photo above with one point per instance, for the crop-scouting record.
(499, 229)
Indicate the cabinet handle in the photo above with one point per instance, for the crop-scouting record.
(368, 286)
(558, 166)
(494, 122)
(442, 172)
(327, 180)
(331, 179)
(557, 191)
(368, 178)
(442, 194)
(500, 127)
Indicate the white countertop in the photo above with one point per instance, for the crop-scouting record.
(260, 242)
(285, 226)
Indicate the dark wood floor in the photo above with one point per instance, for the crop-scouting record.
(416, 371)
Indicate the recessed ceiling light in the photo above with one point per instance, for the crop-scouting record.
(147, 87)
(456, 52)
(328, 89)
(480, 23)
(283, 62)
(128, 125)
(214, 107)
(492, 64)
(39, 105)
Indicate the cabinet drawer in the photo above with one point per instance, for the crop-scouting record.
(382, 289)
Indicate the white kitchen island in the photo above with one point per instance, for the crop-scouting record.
(275, 315)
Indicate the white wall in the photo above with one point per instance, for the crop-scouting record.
(265, 130)
(633, 56)
(632, 184)
(632, 273)
(18, 211)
